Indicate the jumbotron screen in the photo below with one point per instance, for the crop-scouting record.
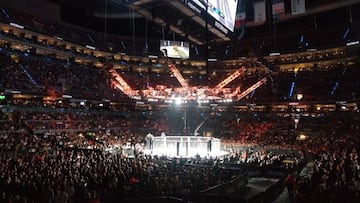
(223, 11)
(175, 49)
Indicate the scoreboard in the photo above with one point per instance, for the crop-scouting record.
(222, 12)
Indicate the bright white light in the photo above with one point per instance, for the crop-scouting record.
(352, 43)
(136, 97)
(153, 56)
(203, 101)
(57, 37)
(90, 47)
(185, 146)
(17, 25)
(274, 54)
(153, 100)
(82, 103)
(299, 96)
(178, 100)
(302, 137)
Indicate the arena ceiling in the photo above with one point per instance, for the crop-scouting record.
(137, 19)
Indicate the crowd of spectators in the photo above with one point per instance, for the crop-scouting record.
(324, 77)
(331, 82)
(45, 75)
(67, 154)
(141, 80)
(303, 57)
(72, 33)
(335, 177)
(331, 147)
(59, 163)
(46, 156)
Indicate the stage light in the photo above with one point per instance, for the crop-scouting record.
(153, 56)
(153, 100)
(90, 47)
(352, 43)
(17, 25)
(178, 100)
(302, 137)
(274, 54)
(59, 38)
